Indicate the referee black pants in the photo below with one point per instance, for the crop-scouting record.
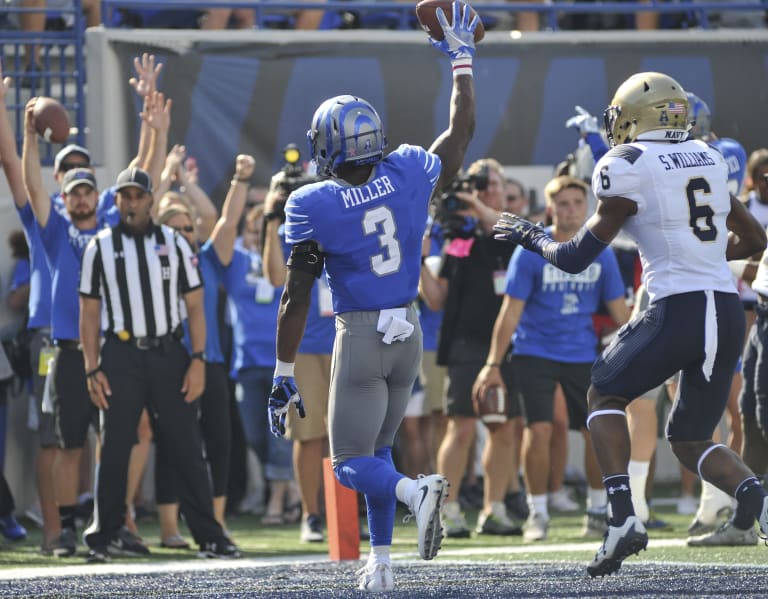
(151, 378)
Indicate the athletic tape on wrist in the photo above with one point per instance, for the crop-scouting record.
(284, 368)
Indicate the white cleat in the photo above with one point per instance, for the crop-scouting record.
(425, 506)
(376, 578)
(725, 536)
(762, 521)
(618, 544)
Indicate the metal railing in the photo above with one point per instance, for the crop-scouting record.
(699, 11)
(61, 72)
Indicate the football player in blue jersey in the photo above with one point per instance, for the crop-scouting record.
(670, 194)
(365, 221)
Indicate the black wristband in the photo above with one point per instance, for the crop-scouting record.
(423, 260)
(92, 373)
(198, 355)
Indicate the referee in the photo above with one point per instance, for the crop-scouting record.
(132, 280)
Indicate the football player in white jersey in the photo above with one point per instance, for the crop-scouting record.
(670, 194)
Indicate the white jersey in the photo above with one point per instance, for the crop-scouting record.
(681, 192)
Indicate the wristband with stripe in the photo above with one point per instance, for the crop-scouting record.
(462, 66)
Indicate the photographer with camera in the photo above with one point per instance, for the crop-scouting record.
(469, 287)
(313, 361)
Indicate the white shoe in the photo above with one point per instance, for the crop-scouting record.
(687, 505)
(619, 543)
(376, 578)
(535, 527)
(425, 505)
(762, 521)
(453, 521)
(725, 536)
(560, 501)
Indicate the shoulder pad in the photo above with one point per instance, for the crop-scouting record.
(625, 151)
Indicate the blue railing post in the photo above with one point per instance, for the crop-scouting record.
(79, 29)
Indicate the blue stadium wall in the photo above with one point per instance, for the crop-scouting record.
(255, 93)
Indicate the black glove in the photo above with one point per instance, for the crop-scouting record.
(515, 229)
(284, 393)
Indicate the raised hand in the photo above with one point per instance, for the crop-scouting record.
(459, 40)
(583, 122)
(147, 72)
(284, 393)
(157, 111)
(515, 229)
(244, 165)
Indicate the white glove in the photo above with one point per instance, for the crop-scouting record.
(583, 122)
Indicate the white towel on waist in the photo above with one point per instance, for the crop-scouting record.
(394, 324)
(710, 334)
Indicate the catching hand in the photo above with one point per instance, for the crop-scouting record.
(459, 40)
(583, 122)
(514, 229)
(284, 393)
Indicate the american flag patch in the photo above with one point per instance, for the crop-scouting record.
(161, 250)
(676, 108)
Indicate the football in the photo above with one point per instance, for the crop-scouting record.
(427, 16)
(51, 120)
(492, 407)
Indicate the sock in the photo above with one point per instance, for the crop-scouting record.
(749, 503)
(381, 518)
(712, 501)
(67, 516)
(405, 488)
(596, 498)
(638, 475)
(379, 554)
(537, 504)
(620, 497)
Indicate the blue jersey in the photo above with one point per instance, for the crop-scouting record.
(556, 322)
(320, 330)
(40, 276)
(252, 305)
(371, 233)
(212, 273)
(64, 244)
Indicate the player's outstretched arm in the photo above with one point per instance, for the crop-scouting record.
(575, 255)
(459, 46)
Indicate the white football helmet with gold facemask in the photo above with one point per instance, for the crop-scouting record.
(647, 102)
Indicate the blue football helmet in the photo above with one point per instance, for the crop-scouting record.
(700, 117)
(345, 130)
(736, 159)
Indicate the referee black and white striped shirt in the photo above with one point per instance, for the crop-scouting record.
(139, 278)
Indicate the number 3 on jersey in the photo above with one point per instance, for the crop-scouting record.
(380, 220)
(696, 187)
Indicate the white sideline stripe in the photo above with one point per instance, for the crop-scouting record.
(518, 549)
(202, 565)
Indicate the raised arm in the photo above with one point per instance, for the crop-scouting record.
(157, 115)
(8, 156)
(459, 46)
(274, 258)
(33, 180)
(144, 84)
(204, 207)
(225, 231)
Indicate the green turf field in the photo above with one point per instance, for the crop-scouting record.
(564, 543)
